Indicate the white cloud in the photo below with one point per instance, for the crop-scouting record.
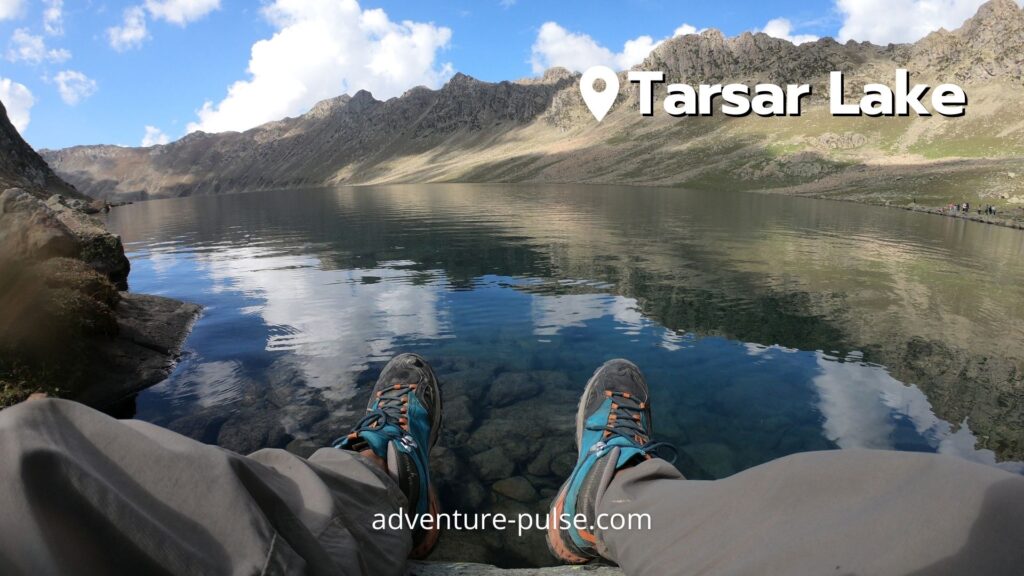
(134, 31)
(687, 29)
(154, 136)
(53, 17)
(556, 46)
(507, 3)
(18, 100)
(10, 9)
(634, 51)
(26, 47)
(180, 12)
(74, 86)
(783, 28)
(885, 21)
(323, 48)
(131, 33)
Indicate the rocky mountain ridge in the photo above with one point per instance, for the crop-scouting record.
(21, 167)
(538, 130)
(986, 47)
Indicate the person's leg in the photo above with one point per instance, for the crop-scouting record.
(865, 512)
(839, 512)
(402, 423)
(82, 493)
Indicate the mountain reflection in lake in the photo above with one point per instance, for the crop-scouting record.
(766, 325)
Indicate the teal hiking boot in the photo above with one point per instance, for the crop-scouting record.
(402, 424)
(613, 431)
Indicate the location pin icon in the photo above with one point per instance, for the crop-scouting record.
(599, 102)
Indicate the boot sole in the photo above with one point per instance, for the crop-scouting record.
(557, 546)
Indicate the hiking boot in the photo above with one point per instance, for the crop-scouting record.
(402, 423)
(613, 431)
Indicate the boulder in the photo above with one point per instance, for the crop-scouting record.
(473, 496)
(151, 330)
(515, 437)
(78, 276)
(516, 488)
(563, 464)
(512, 387)
(552, 448)
(203, 426)
(30, 231)
(248, 432)
(493, 464)
(97, 247)
(470, 382)
(458, 414)
(470, 569)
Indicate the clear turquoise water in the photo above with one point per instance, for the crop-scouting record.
(765, 325)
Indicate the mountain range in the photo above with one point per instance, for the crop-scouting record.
(539, 130)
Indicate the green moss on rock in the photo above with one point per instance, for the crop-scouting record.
(53, 315)
(78, 276)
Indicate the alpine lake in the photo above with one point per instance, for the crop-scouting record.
(765, 325)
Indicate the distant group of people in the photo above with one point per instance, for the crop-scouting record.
(965, 208)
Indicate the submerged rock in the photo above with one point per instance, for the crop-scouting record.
(469, 382)
(458, 414)
(512, 387)
(516, 488)
(493, 464)
(256, 429)
(563, 464)
(716, 459)
(541, 465)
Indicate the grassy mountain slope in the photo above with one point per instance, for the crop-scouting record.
(538, 130)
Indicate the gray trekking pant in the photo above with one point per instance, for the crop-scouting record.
(82, 493)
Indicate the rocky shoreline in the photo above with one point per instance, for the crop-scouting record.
(1006, 222)
(69, 326)
(151, 332)
(983, 218)
(471, 569)
(1015, 222)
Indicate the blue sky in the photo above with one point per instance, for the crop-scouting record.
(91, 71)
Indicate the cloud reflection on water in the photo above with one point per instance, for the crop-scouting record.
(335, 321)
(553, 314)
(862, 404)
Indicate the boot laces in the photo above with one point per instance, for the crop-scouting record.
(392, 408)
(626, 420)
